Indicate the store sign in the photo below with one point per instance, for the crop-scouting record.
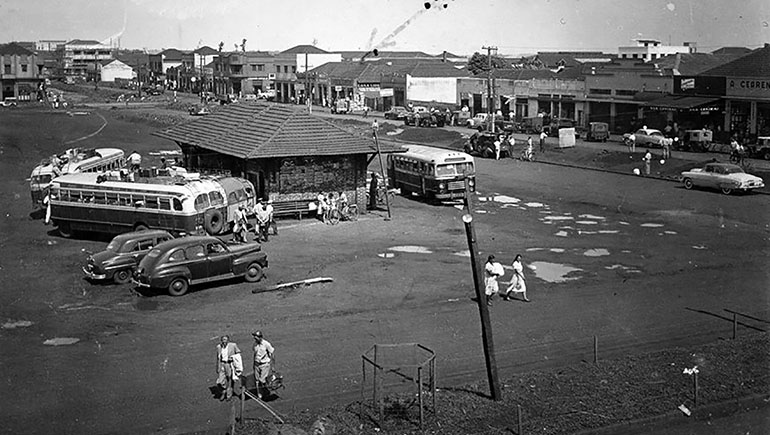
(743, 87)
(388, 92)
(338, 88)
(688, 84)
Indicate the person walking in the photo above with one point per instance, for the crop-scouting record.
(271, 223)
(322, 212)
(228, 356)
(373, 191)
(264, 355)
(529, 141)
(631, 143)
(241, 224)
(492, 271)
(518, 284)
(543, 135)
(647, 160)
(667, 142)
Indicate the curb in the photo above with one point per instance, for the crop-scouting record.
(717, 410)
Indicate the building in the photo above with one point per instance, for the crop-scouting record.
(249, 72)
(651, 49)
(115, 69)
(288, 154)
(300, 58)
(193, 75)
(20, 76)
(80, 58)
(49, 44)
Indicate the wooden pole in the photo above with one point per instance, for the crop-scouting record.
(735, 326)
(596, 350)
(375, 127)
(486, 325)
(518, 419)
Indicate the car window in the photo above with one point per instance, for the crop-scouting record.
(215, 248)
(162, 239)
(144, 245)
(175, 256)
(128, 246)
(113, 246)
(195, 251)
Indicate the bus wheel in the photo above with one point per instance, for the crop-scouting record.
(122, 276)
(254, 273)
(65, 230)
(213, 221)
(178, 287)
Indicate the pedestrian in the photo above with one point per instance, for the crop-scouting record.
(271, 222)
(517, 284)
(241, 225)
(373, 191)
(543, 135)
(135, 161)
(264, 354)
(228, 356)
(631, 143)
(647, 160)
(529, 142)
(667, 142)
(492, 271)
(263, 221)
(322, 212)
(498, 147)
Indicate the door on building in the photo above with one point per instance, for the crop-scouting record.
(257, 178)
(477, 107)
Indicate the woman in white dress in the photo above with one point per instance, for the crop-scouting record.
(518, 284)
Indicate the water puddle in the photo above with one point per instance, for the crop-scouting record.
(623, 223)
(582, 232)
(505, 199)
(395, 132)
(669, 232)
(561, 234)
(61, 341)
(146, 305)
(411, 249)
(590, 216)
(535, 204)
(649, 225)
(534, 249)
(557, 250)
(596, 252)
(608, 231)
(459, 207)
(466, 253)
(586, 222)
(480, 211)
(699, 247)
(559, 218)
(386, 255)
(623, 268)
(553, 272)
(545, 211)
(13, 324)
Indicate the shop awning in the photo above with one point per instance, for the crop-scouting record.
(672, 102)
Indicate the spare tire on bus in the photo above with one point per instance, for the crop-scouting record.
(213, 221)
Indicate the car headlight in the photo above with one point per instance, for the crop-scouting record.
(441, 186)
(471, 183)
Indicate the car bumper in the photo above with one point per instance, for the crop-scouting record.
(95, 276)
(139, 283)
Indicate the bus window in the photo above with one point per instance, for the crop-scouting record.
(216, 198)
(445, 170)
(164, 203)
(151, 202)
(112, 198)
(201, 202)
(232, 198)
(177, 204)
(175, 256)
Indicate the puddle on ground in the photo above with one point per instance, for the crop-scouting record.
(623, 268)
(669, 232)
(535, 204)
(590, 216)
(559, 218)
(480, 211)
(582, 232)
(146, 305)
(465, 253)
(596, 252)
(557, 250)
(545, 211)
(411, 249)
(626, 251)
(698, 247)
(61, 341)
(505, 199)
(534, 249)
(553, 272)
(459, 207)
(608, 231)
(649, 225)
(623, 223)
(13, 324)
(386, 255)
(395, 132)
(561, 234)
(586, 222)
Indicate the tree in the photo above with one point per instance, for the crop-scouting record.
(478, 63)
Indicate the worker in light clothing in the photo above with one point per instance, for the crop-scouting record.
(226, 373)
(543, 135)
(271, 221)
(263, 220)
(492, 271)
(135, 161)
(263, 359)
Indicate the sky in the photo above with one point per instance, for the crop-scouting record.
(461, 27)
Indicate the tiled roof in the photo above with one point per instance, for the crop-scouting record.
(83, 42)
(301, 49)
(264, 130)
(754, 64)
(13, 49)
(438, 69)
(693, 63)
(172, 54)
(568, 73)
(732, 51)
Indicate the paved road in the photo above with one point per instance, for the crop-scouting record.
(144, 364)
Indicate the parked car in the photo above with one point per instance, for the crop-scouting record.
(598, 131)
(723, 176)
(199, 110)
(477, 121)
(460, 117)
(761, 150)
(483, 144)
(397, 113)
(177, 264)
(118, 261)
(647, 137)
(413, 117)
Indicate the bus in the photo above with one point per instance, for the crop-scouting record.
(72, 161)
(110, 203)
(433, 173)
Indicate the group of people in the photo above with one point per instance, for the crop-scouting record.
(328, 202)
(494, 270)
(263, 212)
(230, 366)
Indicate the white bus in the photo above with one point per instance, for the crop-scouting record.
(72, 161)
(433, 173)
(182, 205)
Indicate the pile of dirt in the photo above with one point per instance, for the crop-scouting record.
(570, 399)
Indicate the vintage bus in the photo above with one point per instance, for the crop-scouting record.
(433, 173)
(109, 203)
(72, 161)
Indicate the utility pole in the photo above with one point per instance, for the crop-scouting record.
(490, 97)
(307, 91)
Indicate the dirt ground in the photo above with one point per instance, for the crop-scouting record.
(144, 363)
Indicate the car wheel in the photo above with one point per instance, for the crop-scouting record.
(254, 273)
(688, 184)
(766, 154)
(727, 190)
(65, 230)
(334, 217)
(178, 287)
(122, 276)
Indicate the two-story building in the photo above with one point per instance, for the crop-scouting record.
(650, 49)
(19, 73)
(288, 63)
(249, 72)
(80, 58)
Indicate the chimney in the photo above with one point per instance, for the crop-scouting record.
(443, 56)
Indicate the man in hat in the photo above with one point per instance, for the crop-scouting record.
(271, 221)
(263, 220)
(263, 359)
(228, 355)
(241, 225)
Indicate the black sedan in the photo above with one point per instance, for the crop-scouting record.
(397, 113)
(123, 253)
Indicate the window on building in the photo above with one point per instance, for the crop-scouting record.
(260, 67)
(24, 68)
(623, 56)
(600, 91)
(294, 69)
(634, 56)
(253, 67)
(625, 92)
(286, 68)
(278, 68)
(7, 69)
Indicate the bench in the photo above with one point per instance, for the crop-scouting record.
(291, 208)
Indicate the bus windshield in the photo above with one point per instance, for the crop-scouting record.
(454, 169)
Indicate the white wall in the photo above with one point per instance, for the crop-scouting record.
(116, 70)
(316, 60)
(439, 89)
